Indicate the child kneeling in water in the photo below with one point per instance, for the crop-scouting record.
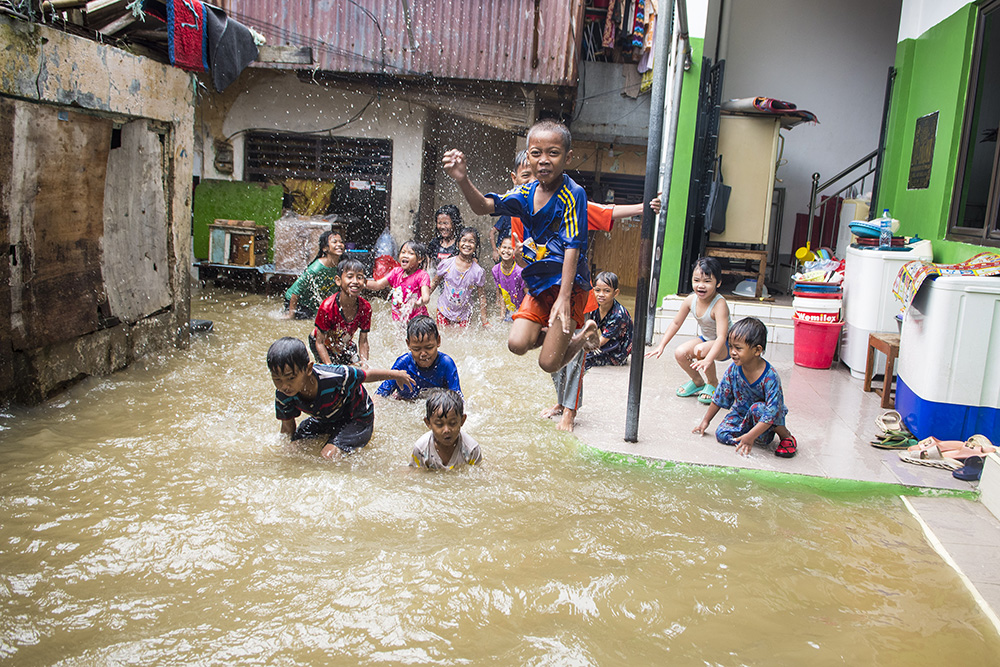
(340, 407)
(445, 446)
(752, 389)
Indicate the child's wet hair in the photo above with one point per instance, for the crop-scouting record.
(520, 160)
(608, 278)
(421, 326)
(475, 235)
(418, 249)
(555, 126)
(452, 212)
(351, 264)
(750, 331)
(444, 402)
(710, 266)
(285, 353)
(324, 241)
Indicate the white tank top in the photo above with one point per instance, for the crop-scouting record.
(706, 325)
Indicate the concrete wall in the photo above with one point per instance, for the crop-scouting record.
(490, 154)
(829, 58)
(279, 101)
(85, 90)
(603, 113)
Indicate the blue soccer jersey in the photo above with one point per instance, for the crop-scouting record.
(443, 374)
(341, 396)
(549, 232)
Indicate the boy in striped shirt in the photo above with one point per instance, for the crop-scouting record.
(340, 408)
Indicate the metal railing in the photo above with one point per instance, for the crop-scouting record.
(817, 188)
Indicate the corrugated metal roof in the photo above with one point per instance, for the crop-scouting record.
(457, 39)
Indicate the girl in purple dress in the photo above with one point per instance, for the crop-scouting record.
(461, 278)
(510, 285)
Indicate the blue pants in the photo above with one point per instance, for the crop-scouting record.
(735, 425)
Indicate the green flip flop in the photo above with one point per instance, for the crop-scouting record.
(705, 398)
(689, 389)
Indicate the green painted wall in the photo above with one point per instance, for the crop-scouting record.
(673, 241)
(233, 200)
(932, 74)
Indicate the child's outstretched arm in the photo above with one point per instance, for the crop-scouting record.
(721, 315)
(287, 427)
(713, 409)
(401, 378)
(454, 165)
(672, 330)
(629, 210)
(376, 285)
(425, 296)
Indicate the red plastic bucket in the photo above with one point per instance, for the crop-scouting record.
(815, 342)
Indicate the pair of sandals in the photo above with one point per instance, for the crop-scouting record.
(704, 392)
(949, 454)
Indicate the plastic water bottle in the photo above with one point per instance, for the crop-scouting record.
(885, 231)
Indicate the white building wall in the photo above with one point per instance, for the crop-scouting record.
(282, 102)
(918, 16)
(829, 58)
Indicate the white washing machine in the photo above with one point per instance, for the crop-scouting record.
(949, 359)
(869, 304)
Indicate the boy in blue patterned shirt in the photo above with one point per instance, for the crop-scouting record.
(428, 368)
(340, 407)
(752, 388)
(553, 210)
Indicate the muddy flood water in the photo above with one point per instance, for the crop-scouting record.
(154, 517)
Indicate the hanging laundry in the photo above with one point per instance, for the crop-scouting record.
(187, 39)
(638, 25)
(609, 26)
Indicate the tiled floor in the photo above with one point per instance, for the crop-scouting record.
(831, 417)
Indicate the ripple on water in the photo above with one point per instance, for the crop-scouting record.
(155, 517)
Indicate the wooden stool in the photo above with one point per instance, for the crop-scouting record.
(888, 344)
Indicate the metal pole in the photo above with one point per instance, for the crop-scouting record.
(668, 170)
(653, 146)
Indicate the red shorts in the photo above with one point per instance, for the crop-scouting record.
(538, 308)
(443, 321)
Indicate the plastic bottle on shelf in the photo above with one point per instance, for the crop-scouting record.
(885, 231)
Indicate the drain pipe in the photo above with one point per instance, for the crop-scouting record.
(681, 45)
(654, 145)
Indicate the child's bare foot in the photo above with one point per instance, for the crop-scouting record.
(590, 335)
(548, 413)
(568, 420)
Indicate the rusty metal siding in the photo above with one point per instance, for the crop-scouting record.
(456, 39)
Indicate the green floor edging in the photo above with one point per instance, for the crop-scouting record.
(829, 486)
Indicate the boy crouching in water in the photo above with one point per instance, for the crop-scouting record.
(752, 388)
(340, 407)
(445, 446)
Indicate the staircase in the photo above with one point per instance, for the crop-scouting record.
(777, 319)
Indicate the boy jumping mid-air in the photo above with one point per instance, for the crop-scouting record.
(554, 211)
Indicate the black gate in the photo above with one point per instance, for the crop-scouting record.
(706, 144)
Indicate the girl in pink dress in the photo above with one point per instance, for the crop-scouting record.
(409, 282)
